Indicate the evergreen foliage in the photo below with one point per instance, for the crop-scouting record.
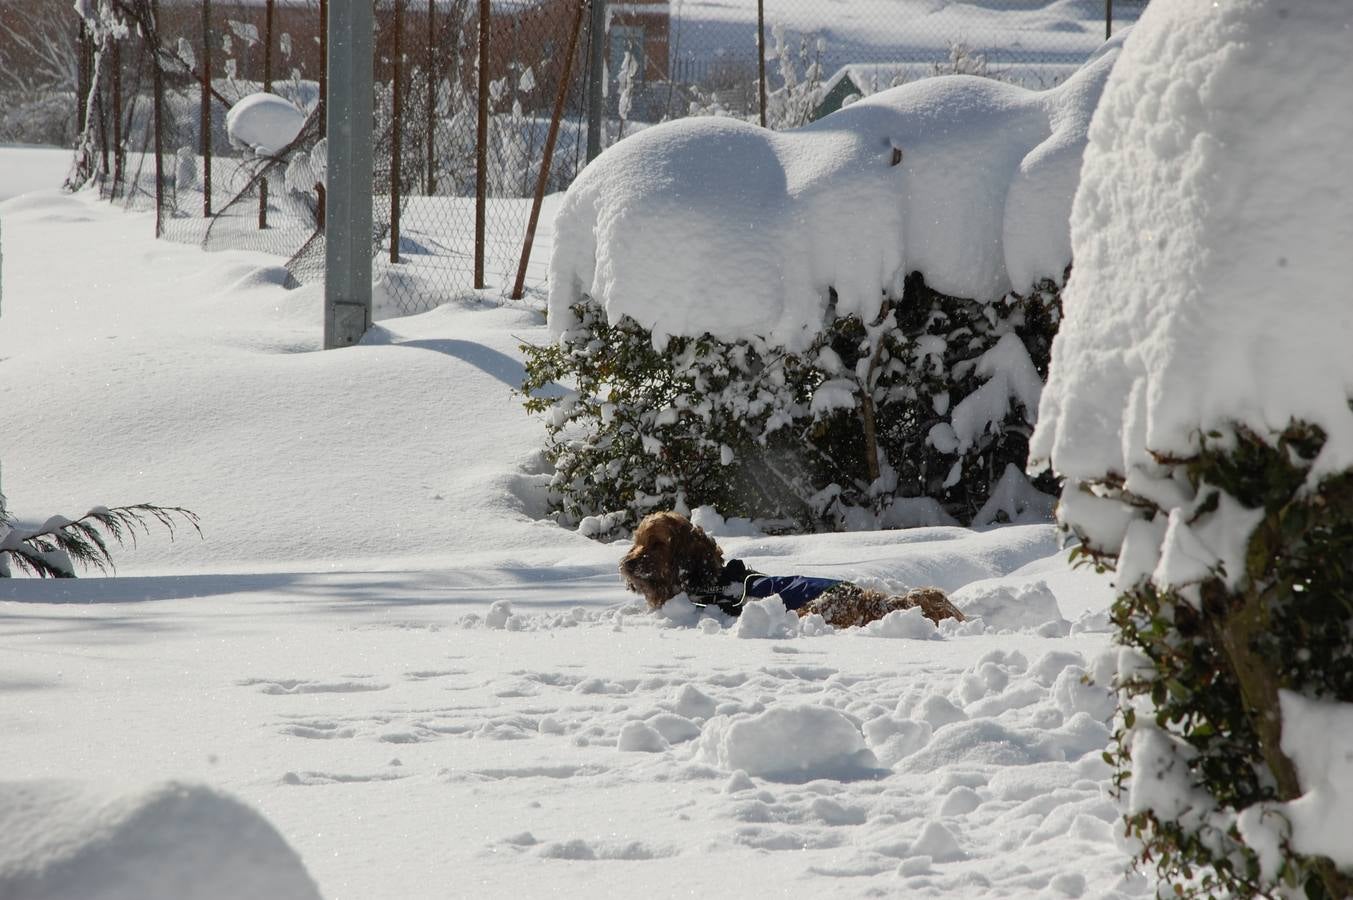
(1211, 657)
(850, 433)
(53, 549)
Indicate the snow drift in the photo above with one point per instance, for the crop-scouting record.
(169, 842)
(715, 225)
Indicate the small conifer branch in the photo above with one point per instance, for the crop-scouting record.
(53, 549)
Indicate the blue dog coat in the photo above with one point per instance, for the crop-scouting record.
(795, 590)
(738, 584)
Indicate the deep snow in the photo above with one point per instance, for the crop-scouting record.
(332, 655)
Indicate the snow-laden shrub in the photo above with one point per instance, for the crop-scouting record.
(915, 418)
(839, 325)
(1199, 407)
(1204, 764)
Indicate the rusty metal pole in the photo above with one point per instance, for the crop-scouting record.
(596, 79)
(81, 77)
(481, 145)
(323, 53)
(541, 182)
(157, 85)
(204, 112)
(396, 130)
(268, 10)
(761, 57)
(430, 107)
(119, 150)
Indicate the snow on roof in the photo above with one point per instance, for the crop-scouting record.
(1213, 241)
(870, 78)
(712, 224)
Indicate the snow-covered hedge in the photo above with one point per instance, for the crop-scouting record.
(784, 437)
(842, 325)
(1199, 407)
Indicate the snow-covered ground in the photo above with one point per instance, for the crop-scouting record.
(332, 655)
(1012, 34)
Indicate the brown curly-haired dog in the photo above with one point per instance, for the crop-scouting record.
(671, 556)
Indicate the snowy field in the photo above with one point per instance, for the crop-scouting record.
(331, 653)
(1011, 34)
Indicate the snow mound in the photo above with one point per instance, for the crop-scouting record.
(1211, 235)
(715, 225)
(264, 123)
(641, 737)
(1005, 607)
(909, 624)
(766, 619)
(789, 743)
(167, 842)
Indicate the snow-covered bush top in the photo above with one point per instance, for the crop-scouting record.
(264, 123)
(1214, 249)
(714, 225)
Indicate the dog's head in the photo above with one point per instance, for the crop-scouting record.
(670, 555)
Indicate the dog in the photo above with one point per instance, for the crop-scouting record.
(671, 555)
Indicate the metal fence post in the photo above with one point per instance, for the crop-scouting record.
(596, 78)
(348, 181)
(544, 178)
(157, 85)
(396, 130)
(119, 148)
(761, 57)
(267, 87)
(204, 111)
(82, 76)
(430, 107)
(481, 144)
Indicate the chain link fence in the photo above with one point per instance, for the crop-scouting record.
(818, 56)
(155, 81)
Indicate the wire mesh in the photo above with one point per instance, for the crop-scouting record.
(821, 55)
(661, 59)
(243, 195)
(433, 142)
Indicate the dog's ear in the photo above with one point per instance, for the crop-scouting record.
(699, 560)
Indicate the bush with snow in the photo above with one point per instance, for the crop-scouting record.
(844, 325)
(1199, 407)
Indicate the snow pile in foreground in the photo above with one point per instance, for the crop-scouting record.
(264, 123)
(789, 743)
(1213, 262)
(171, 842)
(715, 225)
